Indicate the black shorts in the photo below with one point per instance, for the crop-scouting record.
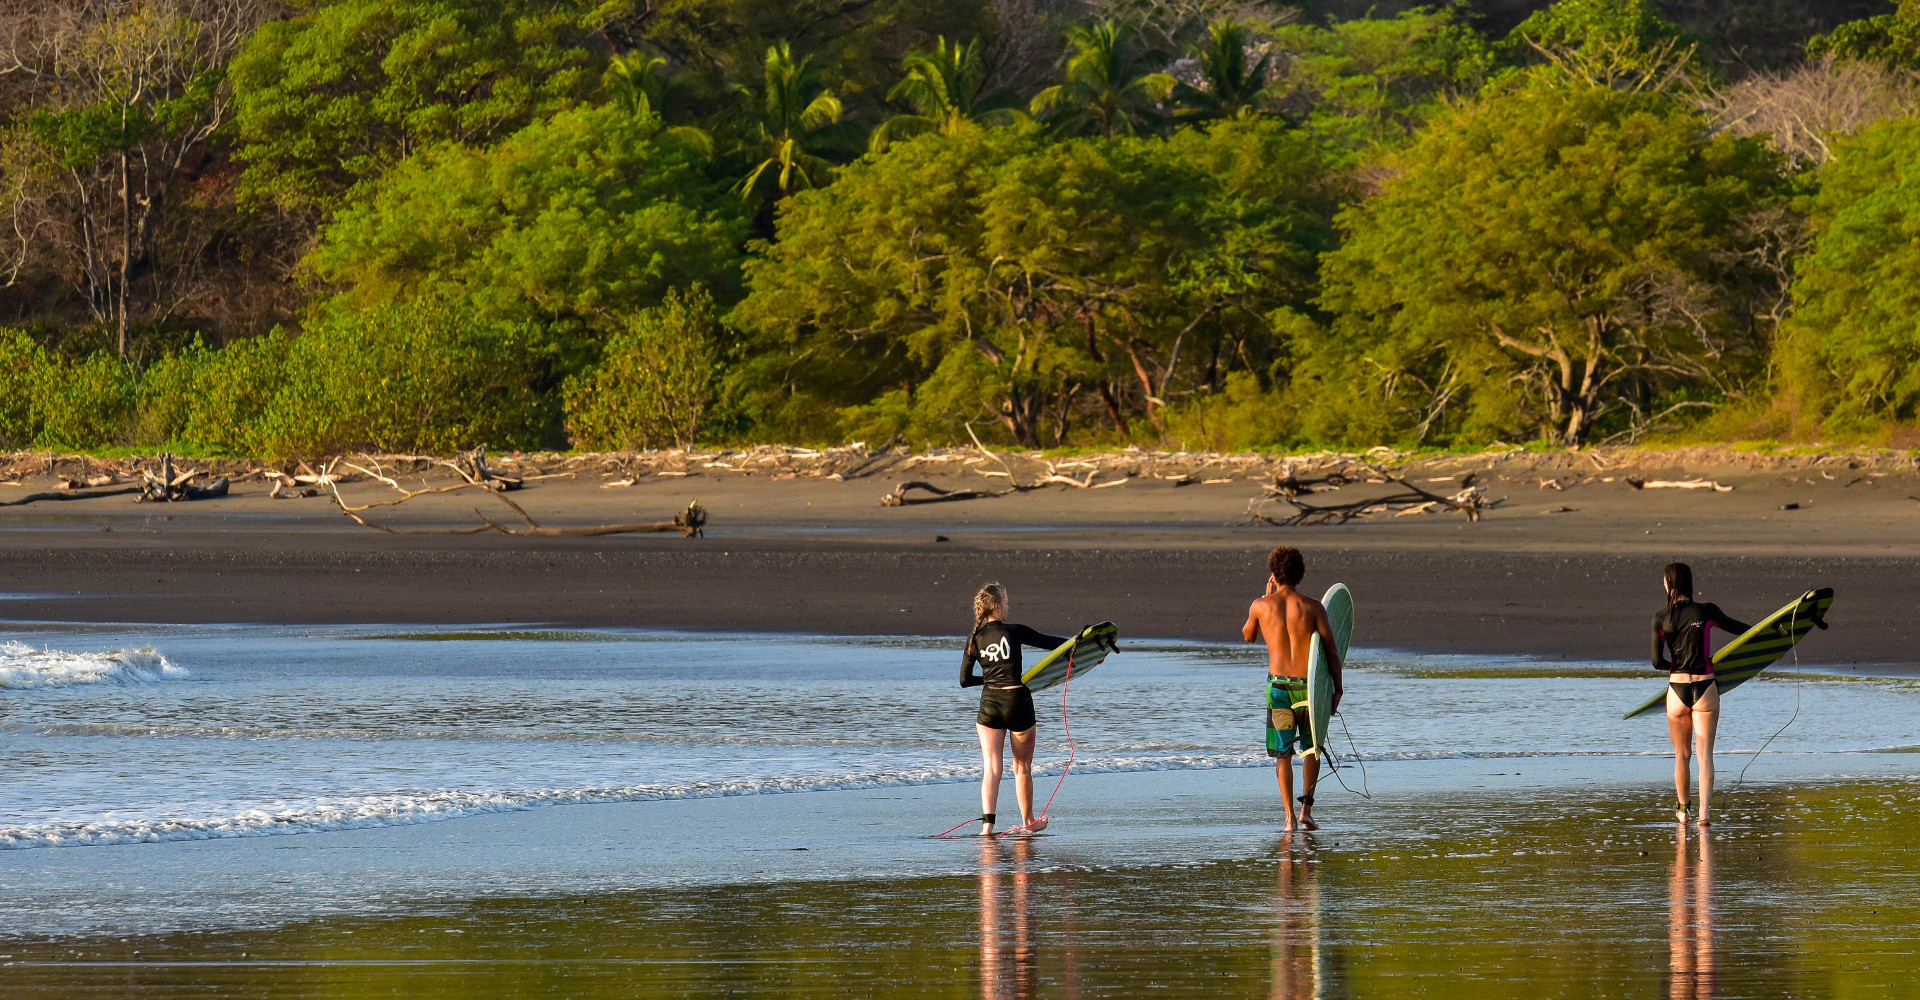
(1007, 708)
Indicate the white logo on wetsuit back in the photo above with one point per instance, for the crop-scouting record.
(998, 651)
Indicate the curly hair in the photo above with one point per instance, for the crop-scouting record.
(1285, 564)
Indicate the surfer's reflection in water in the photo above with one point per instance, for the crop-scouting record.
(1006, 925)
(1296, 925)
(1691, 963)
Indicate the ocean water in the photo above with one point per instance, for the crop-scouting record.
(372, 812)
(117, 735)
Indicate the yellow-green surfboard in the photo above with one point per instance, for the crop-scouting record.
(1090, 649)
(1758, 647)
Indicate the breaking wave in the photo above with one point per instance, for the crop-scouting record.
(22, 666)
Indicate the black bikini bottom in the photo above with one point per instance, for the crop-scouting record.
(1690, 691)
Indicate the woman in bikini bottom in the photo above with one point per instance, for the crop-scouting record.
(1683, 647)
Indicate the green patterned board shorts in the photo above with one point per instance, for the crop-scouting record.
(1287, 727)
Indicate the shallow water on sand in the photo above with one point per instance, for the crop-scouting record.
(196, 733)
(1470, 895)
(425, 772)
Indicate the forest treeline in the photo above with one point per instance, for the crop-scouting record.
(289, 228)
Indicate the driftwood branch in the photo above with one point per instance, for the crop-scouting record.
(1471, 501)
(166, 485)
(899, 497)
(689, 523)
(1053, 477)
(65, 495)
(1678, 484)
(169, 486)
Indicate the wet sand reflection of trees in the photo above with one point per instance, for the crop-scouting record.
(1691, 963)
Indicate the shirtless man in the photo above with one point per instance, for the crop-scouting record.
(1287, 620)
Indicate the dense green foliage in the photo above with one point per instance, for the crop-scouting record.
(1853, 346)
(429, 224)
(655, 382)
(573, 222)
(329, 100)
(1006, 277)
(1544, 259)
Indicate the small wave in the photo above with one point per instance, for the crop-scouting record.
(22, 666)
(330, 813)
(316, 815)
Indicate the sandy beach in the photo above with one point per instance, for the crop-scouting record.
(1566, 567)
(272, 752)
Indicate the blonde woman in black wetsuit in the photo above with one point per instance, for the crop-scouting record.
(1683, 644)
(1006, 706)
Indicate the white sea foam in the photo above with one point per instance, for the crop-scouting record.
(22, 666)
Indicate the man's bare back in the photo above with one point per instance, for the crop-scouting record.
(1287, 620)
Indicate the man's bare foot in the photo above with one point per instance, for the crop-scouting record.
(1035, 826)
(1289, 828)
(986, 829)
(1703, 820)
(1306, 820)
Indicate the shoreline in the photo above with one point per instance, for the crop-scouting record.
(1566, 568)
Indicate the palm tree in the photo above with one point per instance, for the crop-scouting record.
(1229, 88)
(797, 116)
(1107, 89)
(637, 82)
(942, 86)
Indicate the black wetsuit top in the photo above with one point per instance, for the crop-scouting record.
(1681, 640)
(996, 647)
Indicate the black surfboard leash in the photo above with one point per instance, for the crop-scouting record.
(1333, 768)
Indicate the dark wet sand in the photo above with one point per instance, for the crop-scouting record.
(823, 557)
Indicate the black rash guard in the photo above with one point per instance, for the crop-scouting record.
(996, 647)
(1682, 643)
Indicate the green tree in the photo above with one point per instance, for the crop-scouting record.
(796, 122)
(1110, 89)
(426, 376)
(1376, 80)
(1575, 24)
(1851, 353)
(637, 82)
(1544, 261)
(330, 99)
(996, 277)
(1228, 86)
(571, 222)
(943, 86)
(655, 381)
(211, 401)
(1892, 38)
(1622, 44)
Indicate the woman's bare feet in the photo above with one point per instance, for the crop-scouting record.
(1306, 819)
(1703, 821)
(1680, 813)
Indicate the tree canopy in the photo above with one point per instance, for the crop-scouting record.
(1545, 260)
(643, 222)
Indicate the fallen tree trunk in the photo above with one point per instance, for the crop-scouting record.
(65, 495)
